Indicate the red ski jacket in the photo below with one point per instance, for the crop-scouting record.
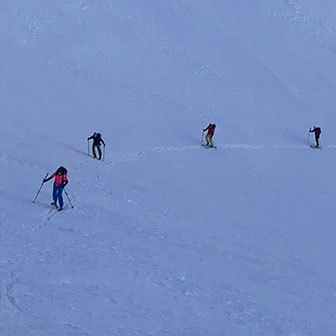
(211, 129)
(59, 179)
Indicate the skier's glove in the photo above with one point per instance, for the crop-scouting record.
(44, 180)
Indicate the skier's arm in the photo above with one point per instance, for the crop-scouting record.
(50, 177)
(102, 142)
(91, 137)
(65, 181)
(205, 129)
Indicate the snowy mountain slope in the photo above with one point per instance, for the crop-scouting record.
(168, 238)
(210, 66)
(141, 252)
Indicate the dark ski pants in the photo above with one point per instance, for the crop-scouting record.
(57, 195)
(94, 151)
(317, 140)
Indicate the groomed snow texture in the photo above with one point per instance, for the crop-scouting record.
(168, 238)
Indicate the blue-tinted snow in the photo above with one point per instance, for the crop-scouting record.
(166, 237)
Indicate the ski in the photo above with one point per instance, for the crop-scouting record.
(206, 146)
(312, 146)
(56, 207)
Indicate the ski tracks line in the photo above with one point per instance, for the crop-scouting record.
(47, 216)
(133, 156)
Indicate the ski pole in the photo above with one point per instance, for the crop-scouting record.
(88, 148)
(104, 154)
(309, 134)
(202, 141)
(66, 194)
(40, 188)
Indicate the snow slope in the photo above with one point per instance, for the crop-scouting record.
(166, 237)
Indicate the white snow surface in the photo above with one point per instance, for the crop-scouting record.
(167, 238)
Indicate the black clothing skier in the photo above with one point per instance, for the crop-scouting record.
(317, 132)
(97, 140)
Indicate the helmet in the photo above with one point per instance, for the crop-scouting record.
(61, 170)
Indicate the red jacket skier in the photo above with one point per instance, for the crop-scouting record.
(60, 182)
(210, 134)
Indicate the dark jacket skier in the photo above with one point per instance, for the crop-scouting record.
(209, 136)
(61, 181)
(97, 140)
(317, 131)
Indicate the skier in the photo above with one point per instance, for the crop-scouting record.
(210, 134)
(97, 140)
(61, 181)
(317, 132)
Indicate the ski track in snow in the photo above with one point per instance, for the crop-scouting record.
(132, 156)
(301, 14)
(48, 215)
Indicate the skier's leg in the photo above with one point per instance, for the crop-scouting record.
(54, 194)
(60, 197)
(317, 141)
(99, 152)
(94, 151)
(207, 139)
(210, 140)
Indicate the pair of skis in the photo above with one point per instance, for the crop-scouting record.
(56, 207)
(208, 146)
